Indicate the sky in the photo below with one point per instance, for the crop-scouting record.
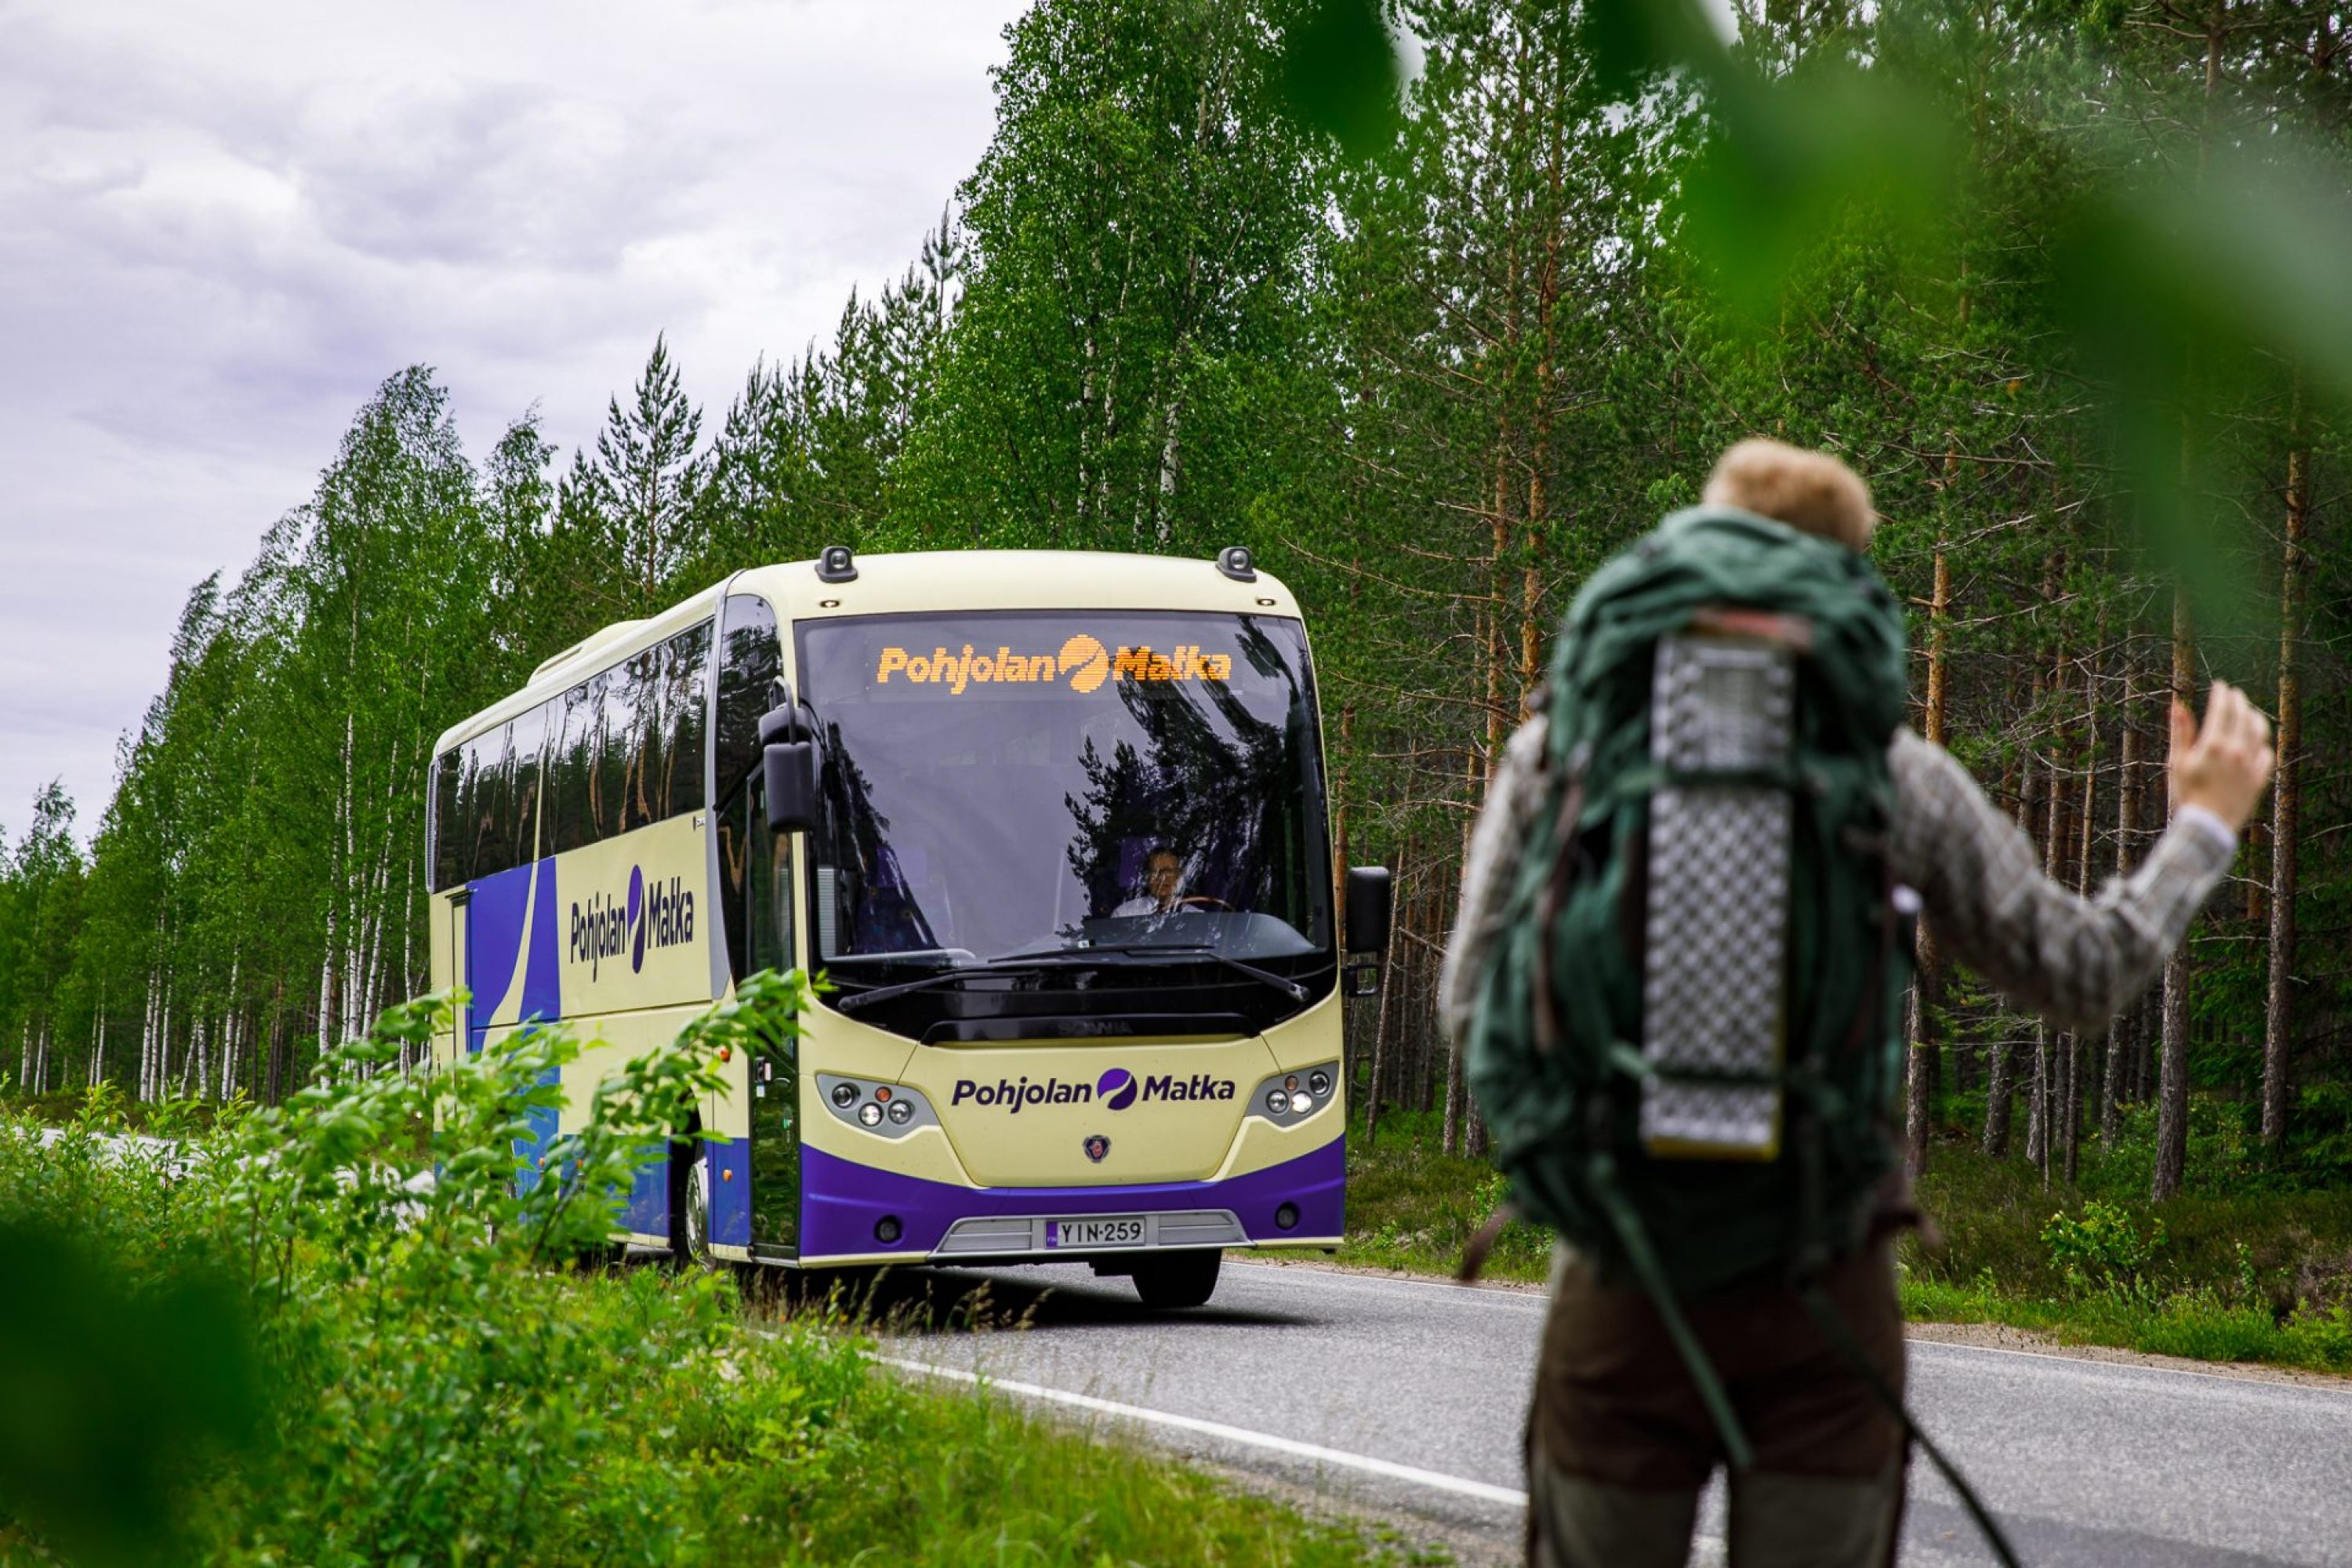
(222, 225)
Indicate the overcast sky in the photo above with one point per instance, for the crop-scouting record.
(221, 226)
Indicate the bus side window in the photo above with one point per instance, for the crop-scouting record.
(448, 834)
(570, 771)
(612, 782)
(754, 883)
(750, 661)
(527, 743)
(767, 904)
(688, 670)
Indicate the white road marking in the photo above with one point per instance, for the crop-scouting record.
(1411, 1474)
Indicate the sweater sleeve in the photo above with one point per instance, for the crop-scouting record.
(2076, 961)
(1497, 843)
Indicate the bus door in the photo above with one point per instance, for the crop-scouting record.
(760, 878)
(461, 973)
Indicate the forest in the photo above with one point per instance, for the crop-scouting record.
(1431, 388)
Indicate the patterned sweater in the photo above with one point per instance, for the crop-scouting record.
(2075, 960)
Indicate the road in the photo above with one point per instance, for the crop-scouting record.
(1405, 1397)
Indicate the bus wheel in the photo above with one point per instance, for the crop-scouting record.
(1177, 1278)
(689, 1207)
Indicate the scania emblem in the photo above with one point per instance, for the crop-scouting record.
(1097, 1147)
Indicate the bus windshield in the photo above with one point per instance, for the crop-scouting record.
(1010, 788)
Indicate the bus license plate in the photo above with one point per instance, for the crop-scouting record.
(1094, 1233)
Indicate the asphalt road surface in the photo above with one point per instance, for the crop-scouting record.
(1405, 1397)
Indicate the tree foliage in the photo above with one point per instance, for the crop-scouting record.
(2043, 272)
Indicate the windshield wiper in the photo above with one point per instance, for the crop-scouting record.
(1144, 952)
(852, 1002)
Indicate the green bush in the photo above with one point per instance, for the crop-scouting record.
(2103, 1249)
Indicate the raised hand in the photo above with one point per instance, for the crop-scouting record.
(2223, 765)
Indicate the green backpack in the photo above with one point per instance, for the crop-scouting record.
(1555, 1054)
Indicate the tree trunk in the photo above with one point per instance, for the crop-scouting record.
(2172, 1072)
(2286, 809)
(2041, 1108)
(2123, 1033)
(1391, 983)
(1918, 1076)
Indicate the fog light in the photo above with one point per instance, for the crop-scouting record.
(871, 1114)
(1300, 1103)
(844, 1095)
(902, 1112)
(1286, 1218)
(1276, 1101)
(887, 1229)
(1319, 1083)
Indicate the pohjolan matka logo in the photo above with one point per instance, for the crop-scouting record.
(655, 917)
(1084, 660)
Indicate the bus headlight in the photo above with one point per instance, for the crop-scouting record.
(886, 1109)
(1290, 1098)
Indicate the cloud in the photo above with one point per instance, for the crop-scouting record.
(222, 224)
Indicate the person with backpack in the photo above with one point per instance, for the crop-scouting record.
(1678, 972)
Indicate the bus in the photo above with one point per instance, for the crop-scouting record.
(1050, 826)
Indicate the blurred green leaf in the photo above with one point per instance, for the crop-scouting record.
(111, 1398)
(1341, 74)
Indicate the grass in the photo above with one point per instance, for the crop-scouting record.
(2261, 1273)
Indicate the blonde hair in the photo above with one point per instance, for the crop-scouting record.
(1810, 491)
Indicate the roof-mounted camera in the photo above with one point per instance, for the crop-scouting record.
(835, 564)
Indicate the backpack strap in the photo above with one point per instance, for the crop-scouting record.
(1563, 834)
(1600, 1177)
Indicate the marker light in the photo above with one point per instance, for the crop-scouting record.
(1300, 1103)
(902, 1112)
(871, 1114)
(1319, 1083)
(844, 1095)
(1276, 1101)
(883, 1094)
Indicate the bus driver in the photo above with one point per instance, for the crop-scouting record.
(1163, 889)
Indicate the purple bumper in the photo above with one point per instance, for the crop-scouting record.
(841, 1202)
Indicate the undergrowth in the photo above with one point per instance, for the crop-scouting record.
(343, 1333)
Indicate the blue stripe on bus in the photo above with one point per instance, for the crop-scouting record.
(647, 1213)
(543, 975)
(730, 1191)
(494, 917)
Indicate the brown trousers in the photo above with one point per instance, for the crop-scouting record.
(1620, 1444)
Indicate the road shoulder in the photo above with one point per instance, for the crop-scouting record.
(1980, 1336)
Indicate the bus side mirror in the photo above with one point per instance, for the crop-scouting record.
(1368, 906)
(788, 770)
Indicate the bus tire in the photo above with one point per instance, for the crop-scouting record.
(689, 1205)
(1171, 1279)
